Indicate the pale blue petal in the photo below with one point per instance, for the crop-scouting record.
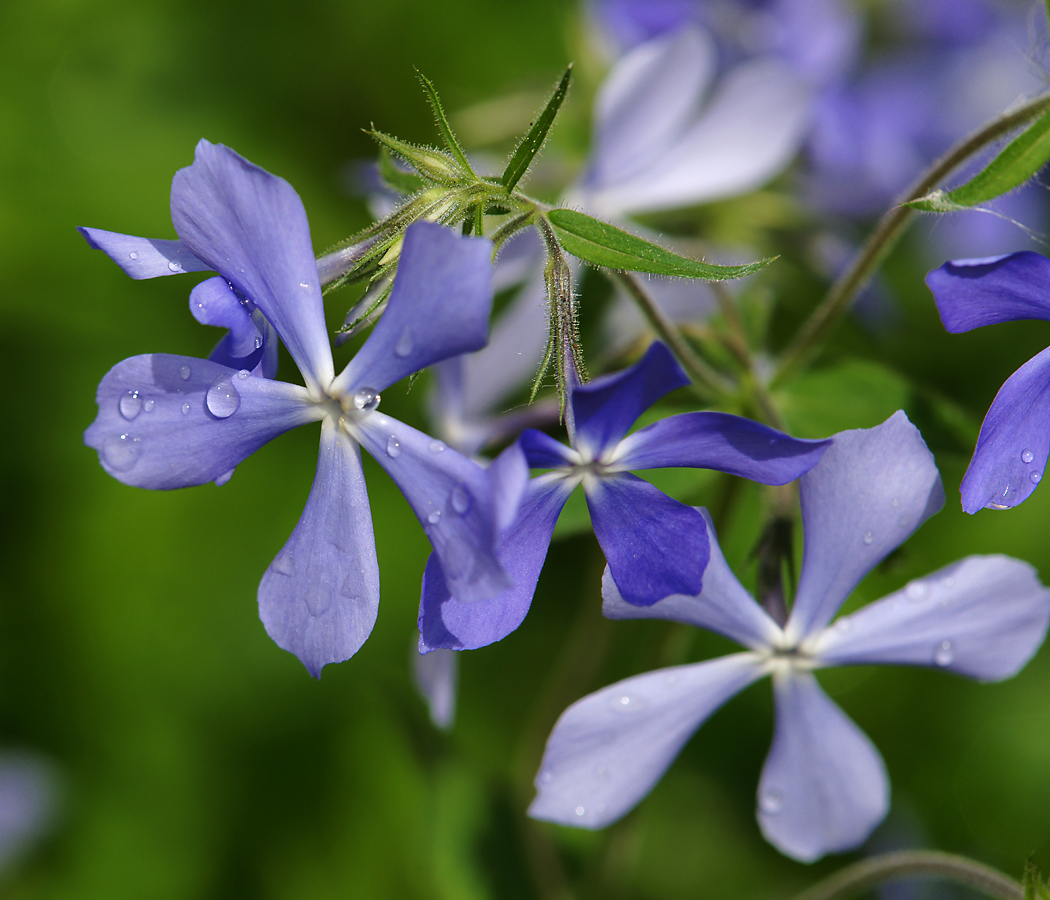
(609, 749)
(143, 257)
(984, 616)
(871, 489)
(823, 787)
(436, 675)
(213, 302)
(174, 421)
(319, 597)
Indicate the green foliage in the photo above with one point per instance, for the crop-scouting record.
(447, 135)
(606, 245)
(1035, 888)
(1025, 155)
(531, 144)
(431, 164)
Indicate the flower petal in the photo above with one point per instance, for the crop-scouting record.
(655, 546)
(723, 606)
(872, 488)
(143, 257)
(984, 616)
(446, 622)
(436, 675)
(543, 452)
(713, 440)
(439, 307)
(1012, 449)
(606, 408)
(647, 101)
(975, 292)
(173, 421)
(452, 496)
(609, 749)
(320, 596)
(213, 302)
(823, 787)
(251, 228)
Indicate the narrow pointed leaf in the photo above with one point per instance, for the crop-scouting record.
(431, 164)
(606, 245)
(532, 142)
(447, 134)
(401, 181)
(1025, 155)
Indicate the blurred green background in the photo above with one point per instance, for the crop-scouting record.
(196, 759)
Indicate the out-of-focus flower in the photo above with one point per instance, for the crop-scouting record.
(28, 801)
(171, 421)
(823, 787)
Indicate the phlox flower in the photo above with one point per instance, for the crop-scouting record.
(655, 545)
(169, 421)
(823, 787)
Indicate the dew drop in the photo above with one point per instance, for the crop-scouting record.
(916, 591)
(222, 399)
(625, 701)
(366, 398)
(1027, 456)
(304, 284)
(434, 517)
(185, 409)
(868, 537)
(130, 404)
(174, 265)
(284, 564)
(896, 501)
(404, 344)
(393, 447)
(460, 500)
(1035, 477)
(184, 373)
(244, 373)
(580, 810)
(944, 655)
(771, 802)
(148, 405)
(133, 254)
(436, 447)
(258, 342)
(224, 477)
(121, 453)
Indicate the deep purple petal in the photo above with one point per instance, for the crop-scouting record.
(606, 408)
(713, 440)
(823, 787)
(173, 421)
(143, 257)
(319, 597)
(543, 452)
(436, 675)
(872, 488)
(724, 605)
(609, 749)
(452, 496)
(655, 546)
(439, 307)
(1011, 452)
(984, 616)
(213, 302)
(445, 622)
(251, 228)
(975, 292)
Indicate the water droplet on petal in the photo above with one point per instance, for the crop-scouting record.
(304, 284)
(916, 591)
(244, 373)
(1035, 477)
(184, 373)
(366, 398)
(1027, 456)
(284, 564)
(130, 404)
(393, 447)
(222, 399)
(625, 701)
(175, 265)
(580, 810)
(460, 499)
(436, 446)
(771, 802)
(148, 405)
(121, 452)
(896, 501)
(185, 409)
(944, 654)
(404, 343)
(224, 477)
(434, 517)
(868, 537)
(133, 254)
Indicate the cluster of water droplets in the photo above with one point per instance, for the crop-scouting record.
(1028, 457)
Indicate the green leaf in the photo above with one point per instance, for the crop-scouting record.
(447, 134)
(401, 181)
(431, 164)
(532, 142)
(606, 245)
(1025, 155)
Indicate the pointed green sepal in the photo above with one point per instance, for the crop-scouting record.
(606, 245)
(1019, 160)
(1034, 886)
(447, 135)
(431, 164)
(401, 181)
(532, 142)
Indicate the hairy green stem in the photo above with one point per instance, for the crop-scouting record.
(886, 234)
(702, 374)
(867, 873)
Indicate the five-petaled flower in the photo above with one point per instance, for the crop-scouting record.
(655, 545)
(823, 787)
(170, 421)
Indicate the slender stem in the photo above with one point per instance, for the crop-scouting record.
(838, 299)
(701, 373)
(867, 873)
